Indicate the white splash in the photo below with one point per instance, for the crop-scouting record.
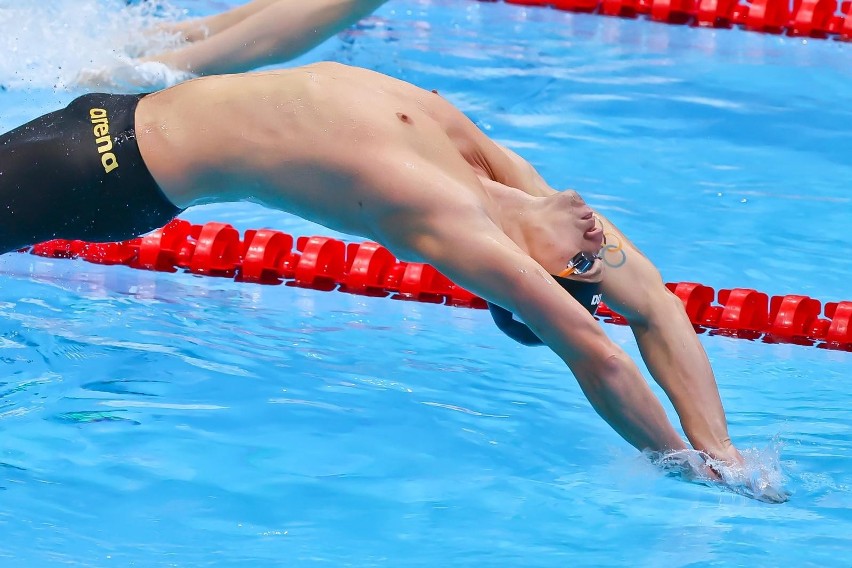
(47, 44)
(761, 477)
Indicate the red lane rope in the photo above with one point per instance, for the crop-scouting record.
(267, 256)
(806, 18)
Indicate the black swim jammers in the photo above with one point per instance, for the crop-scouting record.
(77, 174)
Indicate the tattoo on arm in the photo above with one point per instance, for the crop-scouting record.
(612, 251)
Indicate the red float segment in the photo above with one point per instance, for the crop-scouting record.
(58, 248)
(108, 253)
(843, 22)
(813, 18)
(616, 318)
(321, 264)
(367, 268)
(267, 256)
(575, 5)
(672, 11)
(768, 16)
(159, 250)
(840, 330)
(696, 300)
(603, 310)
(744, 310)
(818, 329)
(621, 8)
(461, 298)
(716, 13)
(422, 283)
(609, 316)
(792, 316)
(216, 252)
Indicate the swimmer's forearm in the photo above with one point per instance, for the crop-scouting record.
(677, 361)
(199, 28)
(609, 378)
(620, 394)
(493, 267)
(218, 22)
(281, 31)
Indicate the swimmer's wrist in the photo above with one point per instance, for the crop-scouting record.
(724, 451)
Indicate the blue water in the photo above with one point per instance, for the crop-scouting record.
(151, 419)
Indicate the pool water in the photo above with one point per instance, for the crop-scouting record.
(152, 419)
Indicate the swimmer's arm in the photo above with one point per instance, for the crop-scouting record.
(274, 33)
(200, 28)
(490, 265)
(515, 171)
(669, 346)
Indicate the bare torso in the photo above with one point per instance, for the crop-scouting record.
(326, 142)
(351, 149)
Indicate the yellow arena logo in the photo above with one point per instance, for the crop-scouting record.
(100, 122)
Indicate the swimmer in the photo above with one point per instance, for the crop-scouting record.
(371, 155)
(262, 32)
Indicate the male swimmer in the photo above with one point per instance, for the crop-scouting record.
(370, 155)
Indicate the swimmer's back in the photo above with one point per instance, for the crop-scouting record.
(323, 103)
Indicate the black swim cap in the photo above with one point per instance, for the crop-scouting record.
(587, 293)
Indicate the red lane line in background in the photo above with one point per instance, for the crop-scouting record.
(821, 19)
(268, 257)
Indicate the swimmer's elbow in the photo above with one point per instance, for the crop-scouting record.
(576, 337)
(601, 377)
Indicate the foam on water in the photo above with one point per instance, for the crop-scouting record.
(761, 476)
(46, 45)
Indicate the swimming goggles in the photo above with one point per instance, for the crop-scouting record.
(581, 263)
(587, 294)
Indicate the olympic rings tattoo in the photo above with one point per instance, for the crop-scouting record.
(608, 249)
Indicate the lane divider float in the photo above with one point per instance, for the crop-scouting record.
(821, 19)
(266, 256)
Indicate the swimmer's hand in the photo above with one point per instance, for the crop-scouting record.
(756, 477)
(130, 75)
(753, 480)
